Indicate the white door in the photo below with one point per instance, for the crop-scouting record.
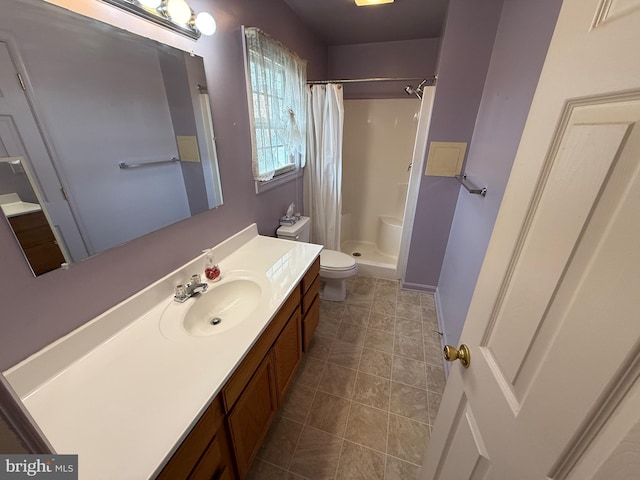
(20, 137)
(552, 391)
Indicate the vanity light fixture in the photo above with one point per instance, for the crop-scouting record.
(175, 15)
(365, 3)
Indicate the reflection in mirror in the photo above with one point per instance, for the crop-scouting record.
(92, 100)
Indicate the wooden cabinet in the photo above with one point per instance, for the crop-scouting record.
(309, 290)
(227, 438)
(205, 453)
(252, 415)
(37, 241)
(287, 353)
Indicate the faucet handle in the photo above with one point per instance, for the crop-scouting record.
(195, 279)
(180, 291)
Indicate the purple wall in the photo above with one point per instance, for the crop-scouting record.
(464, 58)
(407, 58)
(37, 311)
(521, 45)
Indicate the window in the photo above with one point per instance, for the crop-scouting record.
(276, 82)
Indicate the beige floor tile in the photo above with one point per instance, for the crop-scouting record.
(433, 354)
(428, 300)
(388, 292)
(364, 288)
(328, 327)
(434, 405)
(333, 310)
(329, 413)
(435, 378)
(360, 463)
(408, 310)
(261, 470)
(384, 306)
(338, 381)
(280, 442)
(431, 335)
(407, 439)
(345, 354)
(375, 362)
(319, 347)
(410, 372)
(408, 327)
(293, 476)
(356, 315)
(372, 390)
(317, 455)
(410, 347)
(350, 333)
(429, 315)
(310, 371)
(409, 402)
(379, 340)
(367, 426)
(380, 321)
(385, 282)
(297, 402)
(400, 470)
(408, 296)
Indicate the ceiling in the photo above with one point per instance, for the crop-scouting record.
(341, 22)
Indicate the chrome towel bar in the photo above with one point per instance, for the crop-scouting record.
(126, 166)
(470, 187)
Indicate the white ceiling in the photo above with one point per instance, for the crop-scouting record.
(341, 22)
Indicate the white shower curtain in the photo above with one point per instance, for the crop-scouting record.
(323, 171)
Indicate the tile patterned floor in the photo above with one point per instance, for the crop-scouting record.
(366, 394)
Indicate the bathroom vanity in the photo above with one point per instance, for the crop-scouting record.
(146, 390)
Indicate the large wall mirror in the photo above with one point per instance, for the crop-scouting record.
(104, 135)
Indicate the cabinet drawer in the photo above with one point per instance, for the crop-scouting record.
(311, 295)
(310, 323)
(192, 448)
(233, 388)
(210, 463)
(310, 276)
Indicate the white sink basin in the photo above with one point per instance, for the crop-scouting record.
(220, 308)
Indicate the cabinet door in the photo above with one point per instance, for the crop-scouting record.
(287, 352)
(252, 414)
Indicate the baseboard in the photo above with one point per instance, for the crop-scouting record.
(419, 287)
(443, 338)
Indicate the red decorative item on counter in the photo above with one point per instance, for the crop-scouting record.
(211, 269)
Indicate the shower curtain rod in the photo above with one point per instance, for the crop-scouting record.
(430, 80)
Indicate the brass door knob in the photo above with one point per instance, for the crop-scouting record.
(463, 354)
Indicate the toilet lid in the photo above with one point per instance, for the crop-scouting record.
(333, 260)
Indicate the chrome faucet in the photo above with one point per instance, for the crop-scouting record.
(193, 287)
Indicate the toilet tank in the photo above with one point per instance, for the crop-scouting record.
(299, 231)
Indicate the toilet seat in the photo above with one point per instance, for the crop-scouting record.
(334, 260)
(334, 264)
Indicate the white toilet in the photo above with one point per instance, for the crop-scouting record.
(335, 267)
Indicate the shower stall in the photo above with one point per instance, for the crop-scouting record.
(379, 147)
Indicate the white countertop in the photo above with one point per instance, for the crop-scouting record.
(125, 404)
(12, 205)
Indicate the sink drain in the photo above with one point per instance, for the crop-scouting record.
(356, 254)
(215, 320)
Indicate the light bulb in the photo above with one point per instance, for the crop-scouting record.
(150, 3)
(205, 23)
(179, 11)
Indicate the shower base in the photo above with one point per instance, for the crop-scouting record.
(371, 261)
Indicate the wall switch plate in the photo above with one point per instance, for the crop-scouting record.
(445, 159)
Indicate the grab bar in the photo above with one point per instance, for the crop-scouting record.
(470, 187)
(126, 166)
